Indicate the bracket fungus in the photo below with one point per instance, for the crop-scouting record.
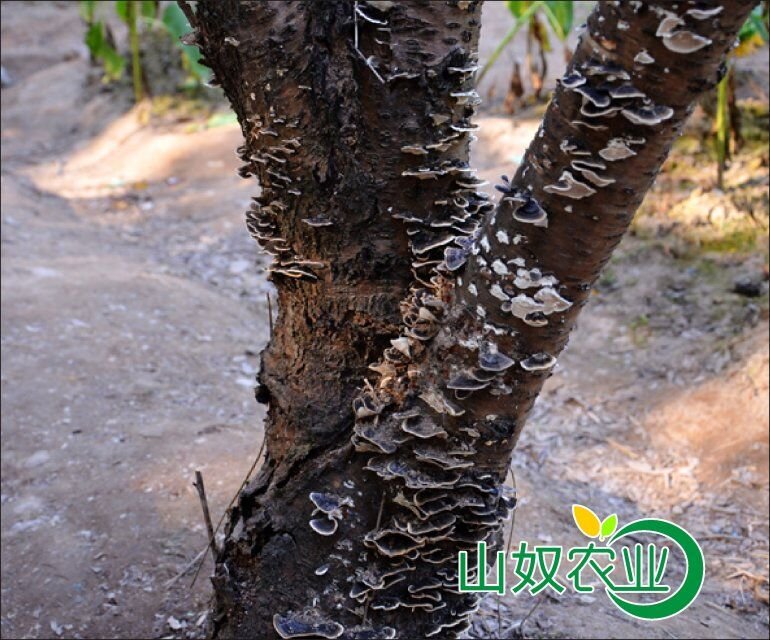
(422, 428)
(422, 241)
(527, 278)
(454, 258)
(525, 308)
(427, 595)
(643, 57)
(496, 291)
(679, 40)
(482, 374)
(704, 14)
(437, 523)
(329, 503)
(440, 403)
(361, 632)
(592, 111)
(495, 361)
(616, 149)
(365, 406)
(386, 603)
(569, 187)
(438, 556)
(685, 42)
(609, 70)
(318, 221)
(304, 626)
(526, 209)
(425, 584)
(551, 300)
(626, 91)
(573, 80)
(648, 115)
(499, 267)
(392, 543)
(593, 95)
(324, 526)
(538, 362)
(584, 168)
(415, 149)
(440, 458)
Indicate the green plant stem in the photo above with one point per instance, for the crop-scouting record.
(136, 69)
(723, 127)
(520, 22)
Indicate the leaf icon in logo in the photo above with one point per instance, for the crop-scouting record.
(586, 520)
(609, 524)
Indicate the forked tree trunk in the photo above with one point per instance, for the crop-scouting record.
(356, 117)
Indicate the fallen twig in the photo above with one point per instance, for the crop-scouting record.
(187, 567)
(198, 484)
(230, 504)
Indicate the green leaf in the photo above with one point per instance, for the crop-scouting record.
(87, 8)
(121, 8)
(94, 38)
(517, 8)
(759, 26)
(753, 27)
(517, 24)
(112, 62)
(559, 14)
(609, 524)
(149, 9)
(175, 21)
(176, 24)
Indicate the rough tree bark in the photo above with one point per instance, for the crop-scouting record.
(356, 117)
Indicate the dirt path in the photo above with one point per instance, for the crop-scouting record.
(133, 313)
(132, 317)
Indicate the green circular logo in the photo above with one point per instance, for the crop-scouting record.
(683, 597)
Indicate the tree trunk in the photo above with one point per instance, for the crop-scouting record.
(356, 121)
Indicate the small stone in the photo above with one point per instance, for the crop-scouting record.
(37, 458)
(748, 285)
(175, 624)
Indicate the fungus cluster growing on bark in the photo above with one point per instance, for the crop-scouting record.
(414, 420)
(272, 144)
(438, 503)
(496, 288)
(264, 215)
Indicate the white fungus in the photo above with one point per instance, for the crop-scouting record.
(497, 291)
(499, 267)
(685, 42)
(569, 187)
(616, 149)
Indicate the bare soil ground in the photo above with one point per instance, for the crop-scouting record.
(133, 313)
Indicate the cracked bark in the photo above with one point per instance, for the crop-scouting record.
(356, 121)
